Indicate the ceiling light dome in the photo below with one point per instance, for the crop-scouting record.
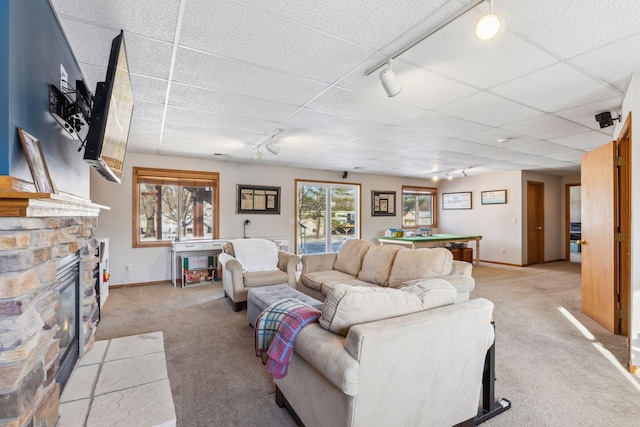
(488, 26)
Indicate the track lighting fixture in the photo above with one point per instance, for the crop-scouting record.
(448, 175)
(390, 81)
(436, 177)
(257, 156)
(489, 25)
(464, 174)
(271, 147)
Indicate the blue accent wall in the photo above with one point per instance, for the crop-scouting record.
(37, 48)
(5, 153)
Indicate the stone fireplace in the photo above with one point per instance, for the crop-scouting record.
(36, 234)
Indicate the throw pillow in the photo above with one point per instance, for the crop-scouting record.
(420, 263)
(350, 255)
(377, 263)
(346, 306)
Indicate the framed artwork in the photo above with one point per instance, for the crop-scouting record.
(257, 199)
(456, 200)
(496, 197)
(37, 165)
(383, 203)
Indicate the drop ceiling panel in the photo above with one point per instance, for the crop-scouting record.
(613, 63)
(227, 75)
(150, 18)
(489, 109)
(585, 114)
(378, 145)
(441, 124)
(201, 119)
(583, 141)
(546, 127)
(346, 103)
(491, 137)
(456, 52)
(555, 88)
(306, 118)
(569, 28)
(574, 156)
(541, 148)
(143, 142)
(270, 41)
(459, 146)
(149, 89)
(147, 111)
(370, 23)
(222, 102)
(397, 134)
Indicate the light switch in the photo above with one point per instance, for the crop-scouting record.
(513, 220)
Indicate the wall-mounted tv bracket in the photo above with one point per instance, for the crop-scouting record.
(71, 114)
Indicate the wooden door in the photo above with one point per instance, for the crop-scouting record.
(599, 212)
(535, 222)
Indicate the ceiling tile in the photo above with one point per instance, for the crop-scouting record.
(489, 109)
(150, 18)
(459, 146)
(221, 102)
(227, 75)
(569, 28)
(540, 148)
(585, 114)
(492, 136)
(270, 41)
(306, 118)
(583, 141)
(147, 111)
(342, 102)
(574, 156)
(456, 52)
(149, 89)
(378, 145)
(201, 119)
(546, 127)
(441, 124)
(555, 88)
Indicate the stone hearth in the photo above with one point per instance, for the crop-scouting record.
(31, 246)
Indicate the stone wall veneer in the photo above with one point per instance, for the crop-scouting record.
(30, 250)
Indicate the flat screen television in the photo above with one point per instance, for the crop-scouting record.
(108, 133)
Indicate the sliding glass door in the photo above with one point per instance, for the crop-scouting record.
(326, 215)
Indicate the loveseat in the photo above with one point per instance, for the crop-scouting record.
(360, 263)
(251, 263)
(420, 364)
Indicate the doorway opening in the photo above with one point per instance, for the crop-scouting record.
(573, 223)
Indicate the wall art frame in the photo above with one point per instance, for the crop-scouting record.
(37, 164)
(257, 199)
(460, 200)
(383, 203)
(494, 197)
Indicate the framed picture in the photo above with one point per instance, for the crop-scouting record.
(256, 199)
(456, 200)
(383, 203)
(496, 197)
(37, 164)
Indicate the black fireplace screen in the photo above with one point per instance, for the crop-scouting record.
(67, 285)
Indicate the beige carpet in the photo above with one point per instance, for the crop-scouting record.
(552, 374)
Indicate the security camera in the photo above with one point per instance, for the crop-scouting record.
(605, 119)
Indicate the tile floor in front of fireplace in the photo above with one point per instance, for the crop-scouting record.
(120, 382)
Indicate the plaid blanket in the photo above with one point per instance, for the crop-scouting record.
(276, 330)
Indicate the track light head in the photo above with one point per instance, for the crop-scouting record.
(272, 148)
(489, 25)
(464, 174)
(257, 156)
(390, 82)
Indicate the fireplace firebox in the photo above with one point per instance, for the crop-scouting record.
(68, 312)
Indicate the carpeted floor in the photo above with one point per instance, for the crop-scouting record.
(552, 373)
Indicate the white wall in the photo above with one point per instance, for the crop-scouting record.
(153, 264)
(630, 104)
(493, 222)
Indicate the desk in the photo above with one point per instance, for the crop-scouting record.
(427, 241)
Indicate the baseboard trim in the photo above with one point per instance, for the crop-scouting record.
(502, 263)
(134, 285)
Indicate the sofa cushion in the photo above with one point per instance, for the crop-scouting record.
(346, 306)
(265, 278)
(315, 279)
(433, 292)
(420, 263)
(350, 255)
(377, 263)
(327, 286)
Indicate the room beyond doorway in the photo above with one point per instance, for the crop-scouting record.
(573, 223)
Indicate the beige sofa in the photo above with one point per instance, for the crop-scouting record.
(360, 263)
(251, 263)
(416, 366)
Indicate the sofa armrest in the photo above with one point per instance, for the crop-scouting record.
(231, 273)
(318, 262)
(325, 351)
(461, 267)
(288, 263)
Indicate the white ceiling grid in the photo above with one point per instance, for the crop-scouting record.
(244, 68)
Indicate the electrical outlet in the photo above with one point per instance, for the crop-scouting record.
(504, 250)
(127, 267)
(513, 220)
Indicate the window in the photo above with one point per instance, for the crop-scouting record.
(419, 207)
(170, 204)
(327, 214)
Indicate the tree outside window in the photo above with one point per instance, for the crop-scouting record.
(419, 207)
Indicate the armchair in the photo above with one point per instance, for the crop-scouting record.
(251, 263)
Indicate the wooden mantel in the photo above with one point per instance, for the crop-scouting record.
(19, 199)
